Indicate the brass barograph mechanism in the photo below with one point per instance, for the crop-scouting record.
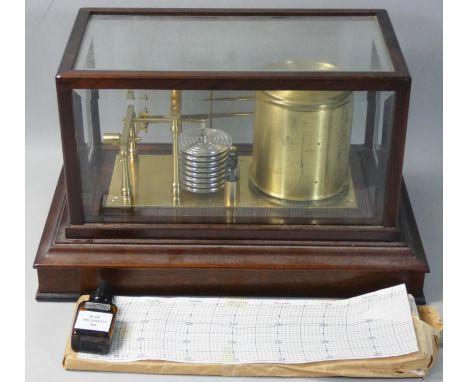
(293, 178)
(134, 124)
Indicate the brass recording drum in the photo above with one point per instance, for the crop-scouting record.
(301, 141)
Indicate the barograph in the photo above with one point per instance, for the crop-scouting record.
(231, 152)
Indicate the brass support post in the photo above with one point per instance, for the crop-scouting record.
(211, 109)
(126, 190)
(132, 143)
(176, 127)
(127, 141)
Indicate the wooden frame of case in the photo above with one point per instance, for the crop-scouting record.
(374, 250)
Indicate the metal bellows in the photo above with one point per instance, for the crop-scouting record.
(202, 159)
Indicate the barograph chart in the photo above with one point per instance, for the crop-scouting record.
(224, 330)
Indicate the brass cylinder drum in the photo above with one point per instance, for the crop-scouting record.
(301, 144)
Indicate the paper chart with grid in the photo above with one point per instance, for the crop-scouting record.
(226, 330)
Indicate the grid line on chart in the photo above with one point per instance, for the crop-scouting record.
(165, 326)
(211, 328)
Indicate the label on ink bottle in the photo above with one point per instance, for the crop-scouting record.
(97, 321)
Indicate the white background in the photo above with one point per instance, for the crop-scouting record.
(418, 25)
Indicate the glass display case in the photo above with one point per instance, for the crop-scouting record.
(189, 134)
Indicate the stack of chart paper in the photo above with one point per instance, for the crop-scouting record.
(227, 331)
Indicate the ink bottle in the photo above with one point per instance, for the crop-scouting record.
(94, 322)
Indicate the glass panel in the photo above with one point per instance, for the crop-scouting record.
(169, 43)
(273, 157)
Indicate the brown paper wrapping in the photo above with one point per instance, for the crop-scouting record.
(428, 329)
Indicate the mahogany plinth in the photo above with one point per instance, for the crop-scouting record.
(69, 267)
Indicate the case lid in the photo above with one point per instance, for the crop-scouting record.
(231, 43)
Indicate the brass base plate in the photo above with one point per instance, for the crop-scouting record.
(152, 187)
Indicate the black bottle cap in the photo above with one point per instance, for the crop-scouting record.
(103, 293)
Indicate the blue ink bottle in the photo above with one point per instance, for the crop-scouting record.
(94, 322)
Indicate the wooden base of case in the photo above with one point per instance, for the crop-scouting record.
(68, 268)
